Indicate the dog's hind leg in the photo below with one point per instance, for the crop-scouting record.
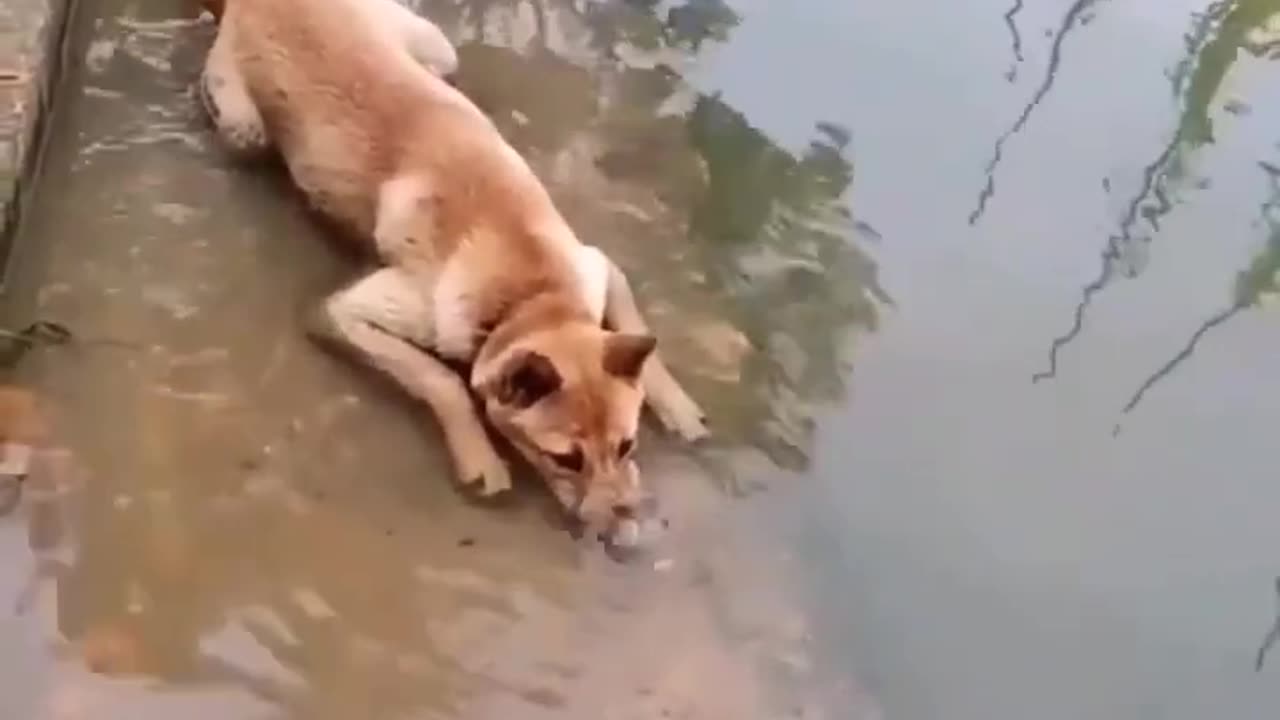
(677, 412)
(386, 320)
(226, 98)
(423, 38)
(216, 8)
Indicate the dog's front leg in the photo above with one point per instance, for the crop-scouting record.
(675, 409)
(381, 317)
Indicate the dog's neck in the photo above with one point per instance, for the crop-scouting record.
(544, 303)
(546, 293)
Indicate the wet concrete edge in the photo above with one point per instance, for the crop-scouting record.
(33, 47)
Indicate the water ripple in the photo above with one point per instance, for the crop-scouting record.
(1011, 20)
(1074, 16)
(1116, 244)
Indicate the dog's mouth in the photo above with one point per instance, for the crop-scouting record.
(624, 530)
(623, 536)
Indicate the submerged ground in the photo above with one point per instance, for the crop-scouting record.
(977, 296)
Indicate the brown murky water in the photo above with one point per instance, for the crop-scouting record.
(995, 420)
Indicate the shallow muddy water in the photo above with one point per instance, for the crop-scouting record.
(978, 297)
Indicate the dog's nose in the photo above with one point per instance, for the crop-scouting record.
(624, 512)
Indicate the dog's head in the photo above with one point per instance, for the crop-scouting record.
(568, 398)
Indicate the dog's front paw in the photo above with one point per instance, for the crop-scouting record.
(681, 416)
(482, 469)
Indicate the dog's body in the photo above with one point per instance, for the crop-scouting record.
(479, 265)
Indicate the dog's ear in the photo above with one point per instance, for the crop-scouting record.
(527, 377)
(626, 353)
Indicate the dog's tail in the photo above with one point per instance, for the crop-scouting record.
(216, 7)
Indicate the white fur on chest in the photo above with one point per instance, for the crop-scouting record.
(454, 301)
(455, 313)
(592, 268)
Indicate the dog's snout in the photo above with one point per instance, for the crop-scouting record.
(624, 512)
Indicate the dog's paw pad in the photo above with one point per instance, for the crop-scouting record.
(245, 137)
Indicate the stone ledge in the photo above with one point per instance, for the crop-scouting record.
(32, 34)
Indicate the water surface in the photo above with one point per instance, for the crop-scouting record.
(976, 294)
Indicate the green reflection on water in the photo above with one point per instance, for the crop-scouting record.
(1214, 44)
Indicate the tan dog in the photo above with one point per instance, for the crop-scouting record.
(479, 265)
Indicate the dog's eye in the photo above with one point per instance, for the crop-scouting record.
(571, 461)
(625, 447)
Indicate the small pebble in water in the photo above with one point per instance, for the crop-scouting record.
(632, 538)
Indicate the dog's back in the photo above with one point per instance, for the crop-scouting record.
(349, 108)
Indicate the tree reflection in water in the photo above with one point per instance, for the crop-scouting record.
(1214, 45)
(744, 251)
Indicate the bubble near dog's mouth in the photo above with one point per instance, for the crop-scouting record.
(630, 538)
